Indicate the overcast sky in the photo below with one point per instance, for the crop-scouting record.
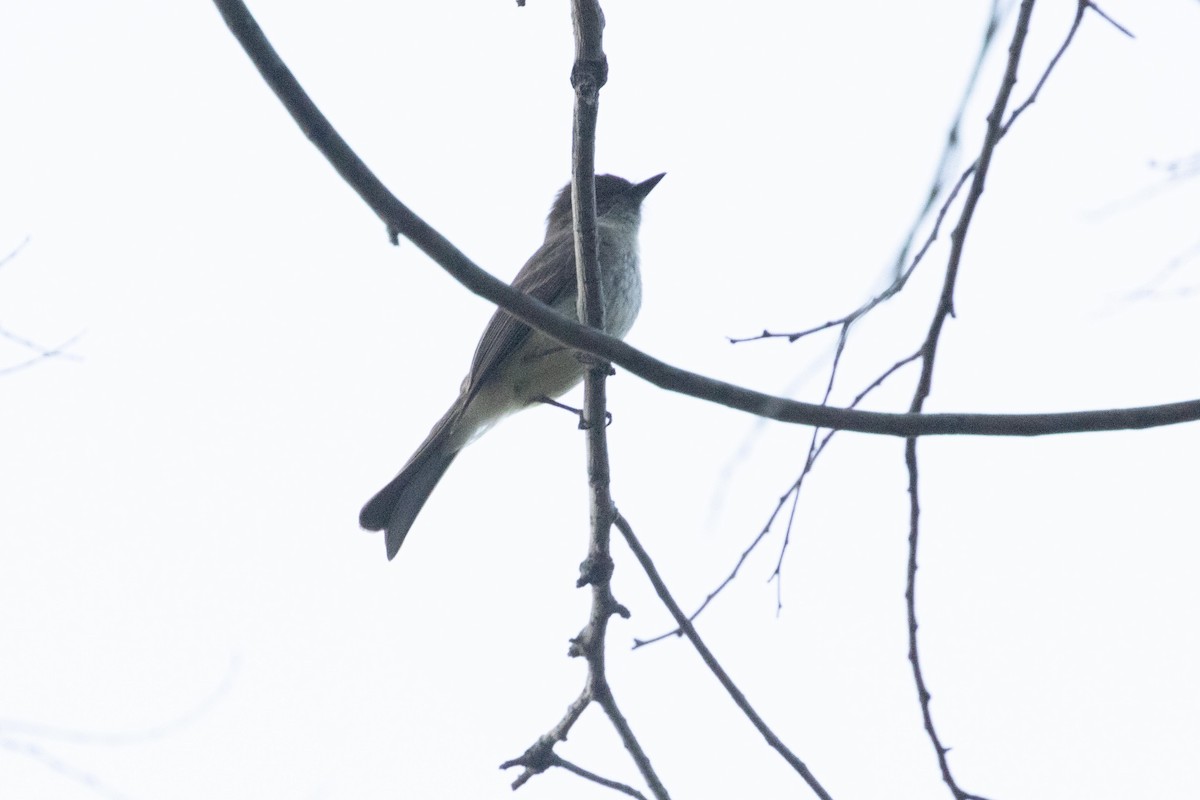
(187, 606)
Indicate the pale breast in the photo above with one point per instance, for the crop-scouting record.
(622, 278)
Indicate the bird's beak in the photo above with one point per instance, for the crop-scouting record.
(640, 190)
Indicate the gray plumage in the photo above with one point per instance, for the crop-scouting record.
(515, 366)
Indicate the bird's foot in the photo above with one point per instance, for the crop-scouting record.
(583, 425)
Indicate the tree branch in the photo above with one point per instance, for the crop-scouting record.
(594, 778)
(400, 220)
(710, 660)
(996, 130)
(588, 75)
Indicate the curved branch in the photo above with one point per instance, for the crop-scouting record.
(401, 220)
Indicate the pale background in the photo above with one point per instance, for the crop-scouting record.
(187, 608)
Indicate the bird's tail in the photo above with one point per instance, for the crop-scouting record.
(395, 507)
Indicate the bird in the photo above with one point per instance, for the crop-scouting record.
(515, 366)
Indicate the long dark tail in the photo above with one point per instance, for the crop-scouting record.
(396, 506)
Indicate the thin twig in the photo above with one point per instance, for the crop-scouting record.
(559, 761)
(945, 309)
(941, 174)
(996, 130)
(1037, 89)
(893, 289)
(791, 493)
(710, 660)
(1110, 20)
(809, 460)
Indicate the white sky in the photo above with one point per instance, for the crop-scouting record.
(187, 607)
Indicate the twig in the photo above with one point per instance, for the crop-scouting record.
(587, 76)
(1109, 19)
(897, 285)
(594, 778)
(941, 172)
(996, 130)
(1037, 89)
(792, 492)
(710, 660)
(945, 309)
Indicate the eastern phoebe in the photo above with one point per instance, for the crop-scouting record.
(515, 366)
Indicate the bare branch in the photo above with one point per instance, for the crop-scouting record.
(710, 660)
(402, 221)
(792, 491)
(559, 761)
(996, 129)
(941, 175)
(588, 75)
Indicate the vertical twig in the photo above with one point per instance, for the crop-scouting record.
(588, 74)
(945, 309)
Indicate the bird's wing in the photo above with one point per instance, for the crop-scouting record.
(505, 333)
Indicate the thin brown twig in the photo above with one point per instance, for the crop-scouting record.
(809, 460)
(902, 278)
(893, 289)
(941, 174)
(996, 130)
(845, 323)
(951, 147)
(559, 761)
(711, 662)
(792, 491)
(814, 454)
(1058, 54)
(587, 76)
(945, 309)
